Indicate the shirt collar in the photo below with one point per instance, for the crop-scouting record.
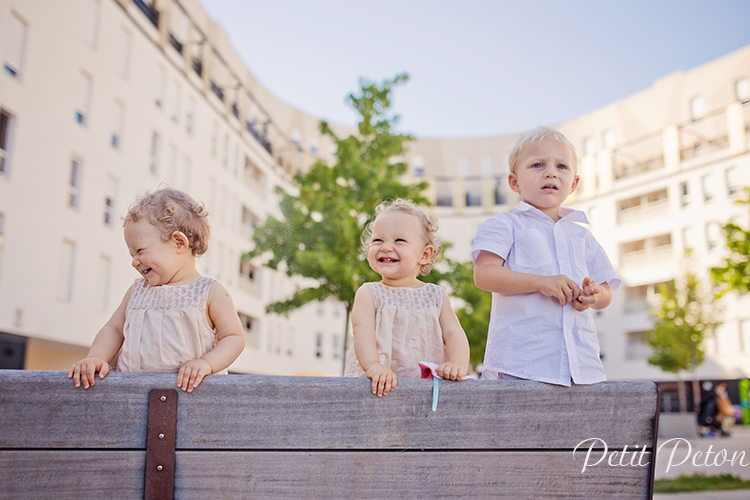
(567, 214)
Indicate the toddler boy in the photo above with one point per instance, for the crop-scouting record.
(544, 270)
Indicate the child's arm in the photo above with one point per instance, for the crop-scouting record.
(456, 345)
(366, 343)
(105, 347)
(491, 276)
(593, 295)
(230, 340)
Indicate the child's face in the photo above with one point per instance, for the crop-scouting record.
(398, 248)
(544, 176)
(157, 260)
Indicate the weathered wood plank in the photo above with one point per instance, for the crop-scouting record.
(44, 410)
(329, 475)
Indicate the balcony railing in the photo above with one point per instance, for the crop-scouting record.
(260, 137)
(151, 13)
(641, 212)
(646, 257)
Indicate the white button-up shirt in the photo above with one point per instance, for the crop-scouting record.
(531, 336)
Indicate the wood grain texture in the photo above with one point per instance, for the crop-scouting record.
(322, 474)
(245, 412)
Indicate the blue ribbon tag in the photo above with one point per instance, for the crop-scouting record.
(435, 386)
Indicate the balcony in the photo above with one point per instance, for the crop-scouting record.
(151, 13)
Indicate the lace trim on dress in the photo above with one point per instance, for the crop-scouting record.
(424, 297)
(193, 294)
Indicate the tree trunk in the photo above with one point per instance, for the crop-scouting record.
(346, 336)
(681, 393)
(696, 394)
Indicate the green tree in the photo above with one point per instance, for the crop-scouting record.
(319, 235)
(735, 274)
(683, 319)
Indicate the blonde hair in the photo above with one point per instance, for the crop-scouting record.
(173, 210)
(429, 227)
(538, 134)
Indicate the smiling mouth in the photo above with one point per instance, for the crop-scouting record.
(387, 260)
(146, 272)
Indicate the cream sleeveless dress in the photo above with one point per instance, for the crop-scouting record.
(166, 326)
(407, 329)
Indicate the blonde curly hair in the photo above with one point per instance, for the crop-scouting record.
(428, 223)
(173, 210)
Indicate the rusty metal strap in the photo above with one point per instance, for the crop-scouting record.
(160, 444)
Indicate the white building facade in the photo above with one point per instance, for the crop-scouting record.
(104, 99)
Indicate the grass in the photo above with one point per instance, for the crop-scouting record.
(700, 482)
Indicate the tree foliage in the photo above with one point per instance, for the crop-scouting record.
(684, 317)
(735, 274)
(319, 234)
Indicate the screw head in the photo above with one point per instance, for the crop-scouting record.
(159, 468)
(163, 398)
(161, 436)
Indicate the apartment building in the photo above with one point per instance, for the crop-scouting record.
(660, 172)
(103, 99)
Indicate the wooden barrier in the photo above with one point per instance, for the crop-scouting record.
(244, 436)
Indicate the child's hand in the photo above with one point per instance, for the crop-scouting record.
(383, 379)
(561, 287)
(590, 295)
(451, 371)
(85, 370)
(191, 374)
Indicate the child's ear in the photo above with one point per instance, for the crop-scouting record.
(181, 241)
(513, 182)
(427, 254)
(575, 184)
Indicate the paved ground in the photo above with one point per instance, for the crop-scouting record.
(706, 456)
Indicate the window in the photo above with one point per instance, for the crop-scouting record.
(250, 326)
(118, 117)
(319, 345)
(488, 167)
(709, 187)
(685, 194)
(336, 346)
(102, 282)
(225, 154)
(2, 241)
(65, 271)
(289, 342)
(742, 90)
(688, 238)
(109, 202)
(176, 97)
(733, 181)
(418, 164)
(608, 139)
(74, 184)
(713, 235)
(189, 116)
(697, 108)
(588, 146)
(464, 168)
(154, 163)
(91, 22)
(636, 346)
(214, 140)
(83, 98)
(16, 45)
(171, 176)
(123, 54)
(161, 82)
(6, 129)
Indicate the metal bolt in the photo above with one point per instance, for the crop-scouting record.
(159, 468)
(161, 436)
(163, 398)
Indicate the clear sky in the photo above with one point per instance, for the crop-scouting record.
(477, 68)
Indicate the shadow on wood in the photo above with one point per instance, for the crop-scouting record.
(244, 436)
